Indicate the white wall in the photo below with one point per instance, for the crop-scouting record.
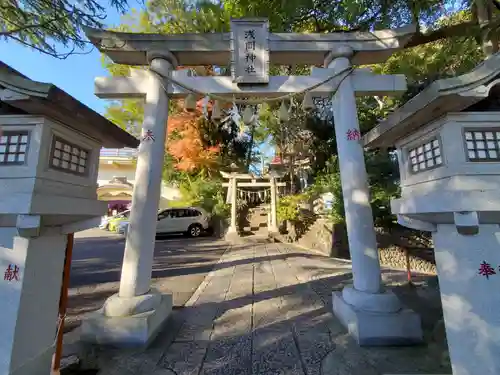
(170, 192)
(106, 173)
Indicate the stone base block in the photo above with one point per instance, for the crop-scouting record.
(126, 331)
(378, 328)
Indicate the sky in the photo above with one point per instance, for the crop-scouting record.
(75, 75)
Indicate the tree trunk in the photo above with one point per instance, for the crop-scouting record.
(249, 155)
(489, 39)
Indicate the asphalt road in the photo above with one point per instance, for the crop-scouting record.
(180, 265)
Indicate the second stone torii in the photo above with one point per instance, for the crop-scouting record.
(232, 186)
(361, 307)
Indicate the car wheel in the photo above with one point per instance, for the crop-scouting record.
(194, 230)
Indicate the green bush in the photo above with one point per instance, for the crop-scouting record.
(328, 181)
(221, 208)
(289, 207)
(383, 176)
(202, 192)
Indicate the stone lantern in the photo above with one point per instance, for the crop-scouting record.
(49, 151)
(448, 146)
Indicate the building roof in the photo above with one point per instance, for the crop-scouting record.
(45, 99)
(215, 48)
(8, 68)
(117, 183)
(441, 97)
(248, 176)
(277, 160)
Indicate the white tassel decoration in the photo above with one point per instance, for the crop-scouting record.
(283, 113)
(248, 115)
(204, 106)
(235, 114)
(216, 112)
(308, 102)
(190, 103)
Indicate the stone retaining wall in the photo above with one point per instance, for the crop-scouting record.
(319, 237)
(219, 225)
(395, 257)
(331, 240)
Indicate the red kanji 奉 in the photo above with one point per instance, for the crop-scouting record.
(485, 269)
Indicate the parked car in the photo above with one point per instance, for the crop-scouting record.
(105, 221)
(192, 221)
(111, 223)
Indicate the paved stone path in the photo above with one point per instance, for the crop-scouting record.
(266, 309)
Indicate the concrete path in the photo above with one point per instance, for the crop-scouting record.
(266, 309)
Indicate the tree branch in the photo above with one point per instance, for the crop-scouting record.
(60, 56)
(45, 24)
(464, 29)
(33, 26)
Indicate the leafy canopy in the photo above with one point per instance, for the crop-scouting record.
(53, 26)
(56, 27)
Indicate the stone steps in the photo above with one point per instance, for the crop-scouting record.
(257, 222)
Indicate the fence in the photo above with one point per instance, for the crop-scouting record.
(119, 152)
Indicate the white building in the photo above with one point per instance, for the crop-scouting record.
(116, 178)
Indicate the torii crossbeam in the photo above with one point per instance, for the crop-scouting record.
(364, 82)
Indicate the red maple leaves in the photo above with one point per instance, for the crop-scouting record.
(185, 142)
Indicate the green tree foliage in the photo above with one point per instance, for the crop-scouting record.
(383, 178)
(425, 63)
(288, 207)
(53, 27)
(127, 114)
(50, 26)
(327, 16)
(328, 181)
(202, 192)
(422, 65)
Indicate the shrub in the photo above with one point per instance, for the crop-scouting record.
(289, 207)
(202, 192)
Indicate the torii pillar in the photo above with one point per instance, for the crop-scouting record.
(273, 228)
(135, 315)
(232, 232)
(374, 317)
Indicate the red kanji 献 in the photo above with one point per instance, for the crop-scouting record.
(353, 135)
(485, 269)
(148, 136)
(11, 273)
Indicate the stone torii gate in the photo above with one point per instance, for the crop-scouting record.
(250, 49)
(251, 181)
